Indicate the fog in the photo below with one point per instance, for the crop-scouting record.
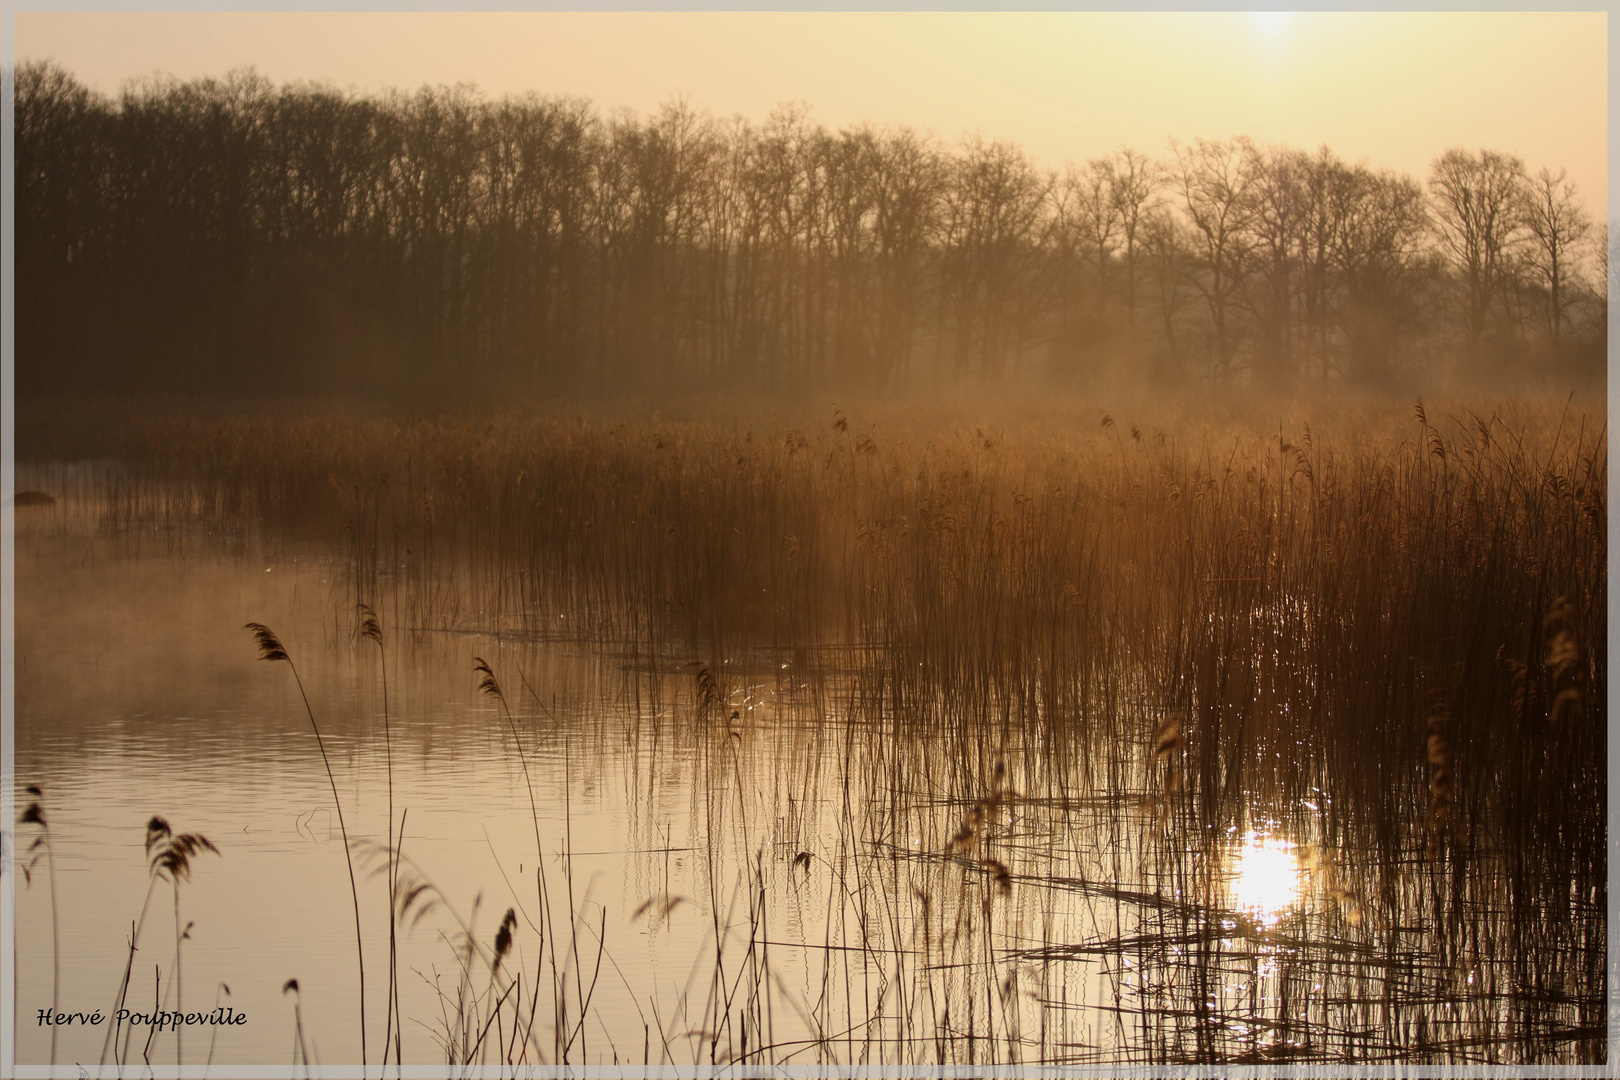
(233, 238)
(1146, 608)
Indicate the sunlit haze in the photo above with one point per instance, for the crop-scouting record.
(921, 543)
(1394, 89)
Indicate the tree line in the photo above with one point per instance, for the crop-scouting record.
(234, 236)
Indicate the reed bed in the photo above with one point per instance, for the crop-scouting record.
(1043, 675)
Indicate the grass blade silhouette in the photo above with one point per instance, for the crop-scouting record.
(270, 648)
(371, 629)
(35, 815)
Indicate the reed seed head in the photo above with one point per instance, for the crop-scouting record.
(270, 647)
(157, 831)
(660, 907)
(488, 684)
(503, 936)
(174, 854)
(369, 626)
(708, 687)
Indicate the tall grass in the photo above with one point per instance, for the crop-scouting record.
(271, 649)
(1046, 670)
(34, 814)
(371, 630)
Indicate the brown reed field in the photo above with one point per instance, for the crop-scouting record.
(1079, 654)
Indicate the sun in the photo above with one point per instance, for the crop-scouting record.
(1270, 24)
(1265, 880)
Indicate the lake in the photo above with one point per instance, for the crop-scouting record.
(796, 852)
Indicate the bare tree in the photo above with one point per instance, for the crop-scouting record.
(1278, 209)
(223, 228)
(909, 180)
(1136, 182)
(845, 166)
(1376, 251)
(1213, 181)
(1551, 211)
(994, 219)
(1477, 207)
(1167, 243)
(1099, 222)
(1322, 185)
(1084, 231)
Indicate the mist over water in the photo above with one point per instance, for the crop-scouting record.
(506, 584)
(1064, 736)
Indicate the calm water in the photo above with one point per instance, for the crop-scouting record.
(877, 896)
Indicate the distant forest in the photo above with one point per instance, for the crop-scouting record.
(233, 237)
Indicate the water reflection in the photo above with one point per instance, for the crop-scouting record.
(881, 892)
(1266, 878)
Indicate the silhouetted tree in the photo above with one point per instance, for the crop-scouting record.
(226, 236)
(1276, 211)
(1214, 182)
(1477, 207)
(1134, 183)
(909, 179)
(1380, 224)
(993, 224)
(1560, 228)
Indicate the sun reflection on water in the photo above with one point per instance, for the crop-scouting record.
(1265, 878)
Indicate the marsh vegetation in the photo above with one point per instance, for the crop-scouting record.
(1116, 674)
(1059, 737)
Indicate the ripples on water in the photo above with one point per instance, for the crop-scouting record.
(785, 872)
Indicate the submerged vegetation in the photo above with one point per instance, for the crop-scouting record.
(1049, 686)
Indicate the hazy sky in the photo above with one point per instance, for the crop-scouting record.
(1392, 88)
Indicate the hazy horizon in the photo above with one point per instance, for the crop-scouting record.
(977, 584)
(1063, 86)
